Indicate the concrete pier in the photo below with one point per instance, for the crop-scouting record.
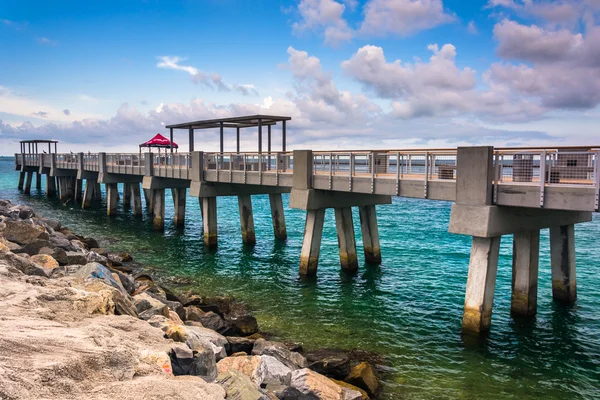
(346, 239)
(209, 220)
(78, 190)
(21, 180)
(50, 186)
(127, 195)
(88, 194)
(66, 188)
(481, 283)
(158, 221)
(370, 234)
(38, 180)
(28, 179)
(148, 197)
(179, 200)
(277, 216)
(562, 259)
(246, 219)
(526, 247)
(136, 199)
(112, 199)
(311, 244)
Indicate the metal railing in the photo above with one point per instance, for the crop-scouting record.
(91, 162)
(257, 162)
(172, 165)
(66, 161)
(31, 160)
(125, 163)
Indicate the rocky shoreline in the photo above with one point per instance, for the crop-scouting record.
(81, 322)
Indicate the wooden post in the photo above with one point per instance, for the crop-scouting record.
(179, 199)
(159, 209)
(346, 240)
(209, 220)
(246, 219)
(97, 192)
(277, 216)
(136, 198)
(311, 245)
(112, 191)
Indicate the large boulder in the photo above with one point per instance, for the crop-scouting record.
(34, 247)
(239, 387)
(45, 261)
(218, 340)
(209, 320)
(260, 369)
(77, 258)
(363, 376)
(182, 358)
(117, 302)
(24, 265)
(195, 339)
(331, 363)
(57, 253)
(98, 271)
(54, 224)
(240, 344)
(203, 364)
(23, 232)
(311, 383)
(147, 306)
(365, 395)
(244, 326)
(279, 350)
(57, 239)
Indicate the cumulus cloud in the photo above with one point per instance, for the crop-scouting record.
(211, 80)
(325, 15)
(66, 112)
(42, 114)
(565, 12)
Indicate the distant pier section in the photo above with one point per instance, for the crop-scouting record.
(496, 191)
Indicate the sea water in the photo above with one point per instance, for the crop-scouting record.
(409, 308)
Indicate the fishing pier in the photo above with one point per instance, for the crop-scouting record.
(495, 191)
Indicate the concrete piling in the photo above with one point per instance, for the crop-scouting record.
(27, 189)
(127, 195)
(136, 198)
(179, 199)
(88, 194)
(111, 198)
(311, 244)
(148, 196)
(50, 186)
(77, 190)
(277, 216)
(481, 283)
(246, 219)
(159, 209)
(38, 181)
(21, 180)
(346, 239)
(562, 259)
(209, 220)
(526, 247)
(370, 234)
(98, 192)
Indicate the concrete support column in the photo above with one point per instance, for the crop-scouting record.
(88, 194)
(562, 259)
(38, 180)
(246, 219)
(136, 198)
(481, 283)
(78, 188)
(21, 180)
(278, 216)
(98, 192)
(209, 220)
(179, 199)
(311, 245)
(159, 209)
(346, 240)
(148, 196)
(526, 249)
(50, 186)
(370, 234)
(127, 194)
(28, 183)
(112, 199)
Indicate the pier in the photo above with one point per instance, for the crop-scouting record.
(495, 192)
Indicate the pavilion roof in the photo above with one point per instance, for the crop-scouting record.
(247, 121)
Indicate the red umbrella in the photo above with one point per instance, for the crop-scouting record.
(159, 141)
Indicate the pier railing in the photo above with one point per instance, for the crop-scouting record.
(172, 165)
(66, 161)
(91, 162)
(125, 163)
(268, 163)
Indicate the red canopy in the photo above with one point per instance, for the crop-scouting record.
(159, 141)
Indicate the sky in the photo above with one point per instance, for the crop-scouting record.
(374, 74)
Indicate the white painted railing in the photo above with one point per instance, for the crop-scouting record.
(125, 163)
(172, 165)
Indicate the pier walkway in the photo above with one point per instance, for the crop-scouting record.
(496, 191)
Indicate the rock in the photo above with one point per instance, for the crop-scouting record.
(173, 317)
(22, 212)
(363, 376)
(147, 306)
(160, 358)
(90, 242)
(54, 224)
(219, 341)
(204, 364)
(239, 387)
(245, 326)
(237, 344)
(365, 395)
(159, 387)
(57, 239)
(275, 371)
(176, 307)
(100, 250)
(127, 282)
(311, 383)
(34, 247)
(57, 253)
(4, 248)
(24, 265)
(121, 304)
(260, 369)
(45, 261)
(278, 350)
(331, 363)
(209, 320)
(239, 354)
(181, 359)
(76, 258)
(287, 392)
(78, 245)
(125, 257)
(193, 339)
(98, 271)
(10, 245)
(95, 257)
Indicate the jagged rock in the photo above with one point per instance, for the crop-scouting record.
(22, 232)
(176, 307)
(45, 261)
(239, 387)
(34, 247)
(10, 245)
(363, 376)
(98, 271)
(57, 239)
(24, 265)
(90, 242)
(239, 354)
(127, 282)
(52, 223)
(22, 212)
(57, 253)
(100, 250)
(312, 383)
(237, 344)
(95, 257)
(203, 364)
(78, 245)
(365, 395)
(279, 351)
(76, 258)
(182, 358)
(173, 317)
(209, 320)
(147, 306)
(287, 392)
(331, 363)
(260, 369)
(218, 340)
(245, 326)
(125, 257)
(121, 304)
(194, 339)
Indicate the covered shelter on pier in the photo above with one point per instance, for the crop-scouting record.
(160, 142)
(237, 123)
(31, 146)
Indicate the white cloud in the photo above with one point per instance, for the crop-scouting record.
(46, 41)
(472, 28)
(325, 15)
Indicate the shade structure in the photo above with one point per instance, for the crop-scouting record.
(159, 141)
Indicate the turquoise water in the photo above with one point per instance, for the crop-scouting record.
(409, 308)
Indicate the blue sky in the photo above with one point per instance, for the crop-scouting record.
(93, 74)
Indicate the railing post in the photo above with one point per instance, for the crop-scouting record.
(350, 171)
(230, 167)
(197, 166)
(102, 163)
(426, 173)
(149, 164)
(372, 172)
(80, 163)
(597, 178)
(330, 168)
(303, 169)
(542, 177)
